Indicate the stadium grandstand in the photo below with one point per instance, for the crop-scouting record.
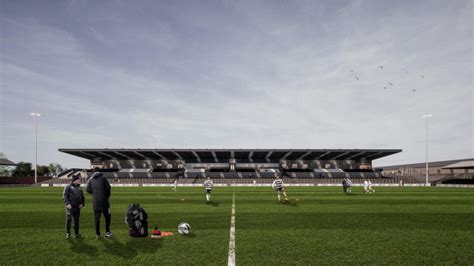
(459, 171)
(230, 165)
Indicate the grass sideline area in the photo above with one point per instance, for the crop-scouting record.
(414, 225)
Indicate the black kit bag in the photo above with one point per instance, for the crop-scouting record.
(137, 220)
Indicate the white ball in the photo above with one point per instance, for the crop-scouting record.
(184, 228)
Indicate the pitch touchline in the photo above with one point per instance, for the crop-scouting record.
(231, 259)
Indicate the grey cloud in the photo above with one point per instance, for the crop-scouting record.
(238, 74)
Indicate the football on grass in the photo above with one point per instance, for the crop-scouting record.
(184, 228)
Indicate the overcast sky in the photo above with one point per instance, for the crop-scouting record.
(236, 74)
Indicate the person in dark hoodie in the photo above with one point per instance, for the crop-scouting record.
(99, 188)
(74, 202)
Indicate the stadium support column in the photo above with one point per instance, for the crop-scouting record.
(426, 117)
(35, 116)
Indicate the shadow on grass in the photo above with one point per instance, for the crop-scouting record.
(132, 247)
(190, 235)
(146, 245)
(290, 203)
(117, 248)
(213, 203)
(78, 246)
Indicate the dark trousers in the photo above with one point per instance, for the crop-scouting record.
(72, 213)
(97, 215)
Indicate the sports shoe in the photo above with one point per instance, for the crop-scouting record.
(78, 236)
(68, 236)
(108, 234)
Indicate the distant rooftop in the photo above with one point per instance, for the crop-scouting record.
(461, 165)
(441, 164)
(7, 162)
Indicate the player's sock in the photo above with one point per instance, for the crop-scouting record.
(278, 196)
(284, 194)
(207, 197)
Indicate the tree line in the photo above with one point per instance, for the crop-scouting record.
(27, 169)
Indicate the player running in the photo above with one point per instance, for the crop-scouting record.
(175, 184)
(370, 187)
(366, 186)
(344, 185)
(349, 185)
(278, 186)
(208, 188)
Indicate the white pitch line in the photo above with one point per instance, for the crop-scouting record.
(231, 259)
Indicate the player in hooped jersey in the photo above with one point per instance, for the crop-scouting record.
(368, 186)
(208, 188)
(279, 188)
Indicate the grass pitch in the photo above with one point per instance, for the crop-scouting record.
(324, 226)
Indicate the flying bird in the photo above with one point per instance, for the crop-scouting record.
(381, 67)
(421, 76)
(385, 88)
(413, 90)
(357, 78)
(390, 83)
(352, 70)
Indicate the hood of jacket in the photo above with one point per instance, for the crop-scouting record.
(97, 174)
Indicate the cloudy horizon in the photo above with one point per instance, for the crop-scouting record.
(236, 74)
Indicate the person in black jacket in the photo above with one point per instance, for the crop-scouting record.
(99, 187)
(74, 201)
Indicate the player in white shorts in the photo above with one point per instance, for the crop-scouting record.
(279, 188)
(349, 185)
(208, 188)
(366, 186)
(370, 187)
(175, 184)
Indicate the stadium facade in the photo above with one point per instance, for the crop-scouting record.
(233, 163)
(437, 170)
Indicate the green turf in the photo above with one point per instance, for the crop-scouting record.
(391, 226)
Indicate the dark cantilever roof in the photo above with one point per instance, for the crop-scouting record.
(217, 155)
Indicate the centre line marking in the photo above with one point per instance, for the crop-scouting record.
(231, 258)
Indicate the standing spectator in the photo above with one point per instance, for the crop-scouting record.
(98, 186)
(74, 201)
